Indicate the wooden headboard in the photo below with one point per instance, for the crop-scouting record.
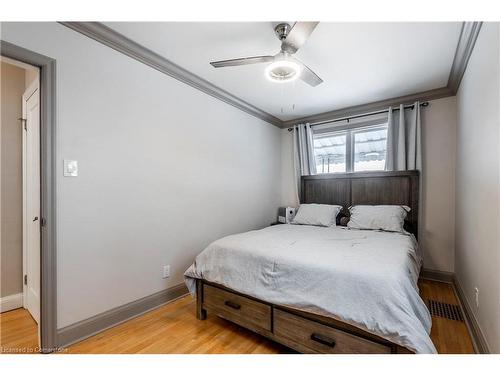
(349, 189)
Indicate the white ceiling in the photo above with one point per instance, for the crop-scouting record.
(359, 62)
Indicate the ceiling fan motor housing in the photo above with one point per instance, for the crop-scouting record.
(282, 30)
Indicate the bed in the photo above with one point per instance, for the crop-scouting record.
(324, 290)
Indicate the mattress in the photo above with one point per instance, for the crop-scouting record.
(365, 278)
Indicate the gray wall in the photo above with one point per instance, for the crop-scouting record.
(439, 133)
(164, 170)
(478, 183)
(12, 89)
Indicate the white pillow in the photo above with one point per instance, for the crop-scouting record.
(383, 217)
(317, 214)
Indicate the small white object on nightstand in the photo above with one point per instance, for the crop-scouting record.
(70, 168)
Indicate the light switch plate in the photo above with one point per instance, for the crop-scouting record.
(70, 168)
(166, 271)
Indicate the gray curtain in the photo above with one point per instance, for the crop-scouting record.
(404, 139)
(303, 153)
(404, 147)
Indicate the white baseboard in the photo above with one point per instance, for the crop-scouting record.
(14, 301)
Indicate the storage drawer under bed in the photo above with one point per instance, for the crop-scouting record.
(293, 330)
(241, 310)
(320, 338)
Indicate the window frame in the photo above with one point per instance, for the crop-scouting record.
(349, 131)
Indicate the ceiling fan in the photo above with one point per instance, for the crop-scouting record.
(284, 67)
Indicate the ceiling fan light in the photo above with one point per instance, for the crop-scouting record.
(282, 71)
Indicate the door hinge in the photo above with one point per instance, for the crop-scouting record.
(25, 279)
(24, 121)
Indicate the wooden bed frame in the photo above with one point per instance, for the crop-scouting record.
(303, 331)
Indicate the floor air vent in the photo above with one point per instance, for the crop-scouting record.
(445, 310)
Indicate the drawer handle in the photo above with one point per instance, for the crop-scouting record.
(232, 305)
(322, 339)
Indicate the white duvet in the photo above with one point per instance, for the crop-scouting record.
(365, 278)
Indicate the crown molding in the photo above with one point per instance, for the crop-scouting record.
(465, 46)
(374, 106)
(120, 43)
(117, 41)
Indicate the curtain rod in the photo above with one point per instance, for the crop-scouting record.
(409, 106)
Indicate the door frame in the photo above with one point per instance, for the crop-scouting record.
(48, 263)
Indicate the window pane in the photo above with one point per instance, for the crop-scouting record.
(370, 148)
(330, 152)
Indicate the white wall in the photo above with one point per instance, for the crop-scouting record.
(164, 170)
(478, 183)
(439, 134)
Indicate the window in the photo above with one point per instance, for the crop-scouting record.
(330, 152)
(370, 148)
(351, 150)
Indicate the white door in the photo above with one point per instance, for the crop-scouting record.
(31, 200)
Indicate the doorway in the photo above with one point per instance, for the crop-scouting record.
(20, 233)
(47, 327)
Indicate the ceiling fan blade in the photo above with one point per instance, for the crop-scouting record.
(307, 75)
(297, 36)
(242, 61)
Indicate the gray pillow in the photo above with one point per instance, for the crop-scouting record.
(317, 214)
(382, 217)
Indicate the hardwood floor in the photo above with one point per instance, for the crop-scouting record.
(448, 336)
(18, 332)
(173, 328)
